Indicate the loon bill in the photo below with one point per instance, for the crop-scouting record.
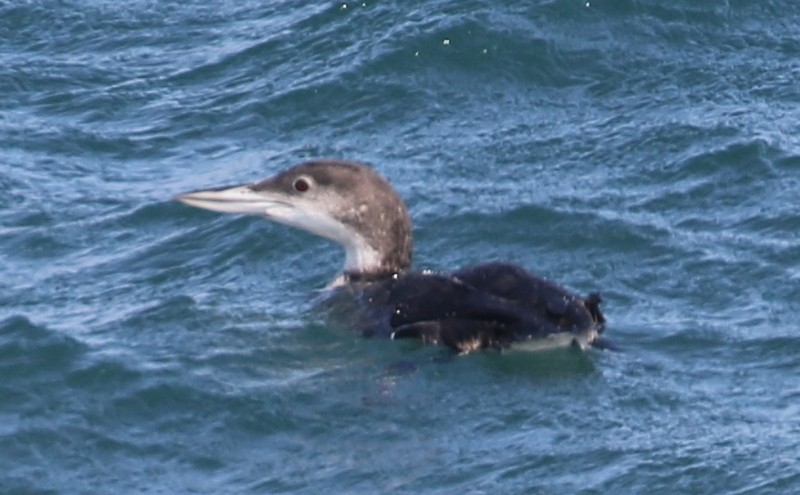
(490, 305)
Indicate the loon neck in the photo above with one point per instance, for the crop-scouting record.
(366, 263)
(365, 277)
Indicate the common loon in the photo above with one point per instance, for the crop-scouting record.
(489, 305)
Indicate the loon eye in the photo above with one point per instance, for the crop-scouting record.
(301, 185)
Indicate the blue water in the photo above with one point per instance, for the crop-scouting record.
(647, 150)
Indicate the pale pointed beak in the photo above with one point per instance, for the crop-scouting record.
(233, 199)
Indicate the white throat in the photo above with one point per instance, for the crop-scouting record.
(360, 256)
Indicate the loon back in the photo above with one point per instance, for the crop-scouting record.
(490, 305)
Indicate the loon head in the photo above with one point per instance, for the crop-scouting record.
(344, 201)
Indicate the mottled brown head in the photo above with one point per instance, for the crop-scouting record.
(343, 201)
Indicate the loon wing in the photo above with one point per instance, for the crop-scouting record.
(536, 294)
(488, 305)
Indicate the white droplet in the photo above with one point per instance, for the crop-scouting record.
(588, 5)
(416, 53)
(344, 6)
(446, 41)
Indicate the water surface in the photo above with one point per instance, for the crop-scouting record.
(645, 150)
